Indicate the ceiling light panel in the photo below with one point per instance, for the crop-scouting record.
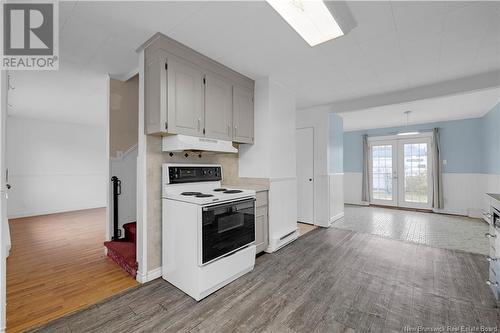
(310, 19)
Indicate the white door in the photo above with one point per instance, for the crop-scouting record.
(383, 173)
(305, 175)
(400, 172)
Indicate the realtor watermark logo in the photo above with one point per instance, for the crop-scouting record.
(30, 35)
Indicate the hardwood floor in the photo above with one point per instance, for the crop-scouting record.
(329, 280)
(304, 228)
(57, 266)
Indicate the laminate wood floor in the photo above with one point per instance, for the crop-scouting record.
(57, 266)
(329, 280)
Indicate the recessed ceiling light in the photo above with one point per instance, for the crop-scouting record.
(311, 19)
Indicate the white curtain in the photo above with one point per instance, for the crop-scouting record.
(437, 177)
(365, 191)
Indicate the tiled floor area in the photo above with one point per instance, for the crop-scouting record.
(436, 230)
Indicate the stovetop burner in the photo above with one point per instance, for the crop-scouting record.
(191, 193)
(220, 189)
(232, 191)
(203, 195)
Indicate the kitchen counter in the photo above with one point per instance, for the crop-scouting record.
(495, 200)
(255, 187)
(495, 196)
(245, 183)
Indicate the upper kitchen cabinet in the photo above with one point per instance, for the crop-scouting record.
(184, 98)
(243, 115)
(188, 93)
(218, 107)
(174, 96)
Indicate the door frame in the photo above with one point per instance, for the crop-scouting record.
(313, 175)
(397, 165)
(4, 86)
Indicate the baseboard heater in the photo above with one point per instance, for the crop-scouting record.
(289, 234)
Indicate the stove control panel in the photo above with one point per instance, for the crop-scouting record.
(178, 174)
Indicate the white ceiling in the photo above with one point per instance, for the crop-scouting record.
(462, 106)
(396, 45)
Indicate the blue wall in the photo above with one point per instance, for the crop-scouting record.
(491, 132)
(468, 146)
(336, 145)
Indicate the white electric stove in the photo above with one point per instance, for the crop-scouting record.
(208, 235)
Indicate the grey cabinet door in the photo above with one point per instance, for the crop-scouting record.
(155, 94)
(184, 98)
(218, 108)
(243, 115)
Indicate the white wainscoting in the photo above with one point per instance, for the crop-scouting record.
(125, 168)
(336, 194)
(282, 212)
(352, 188)
(328, 199)
(464, 193)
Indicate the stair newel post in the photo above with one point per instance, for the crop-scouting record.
(117, 189)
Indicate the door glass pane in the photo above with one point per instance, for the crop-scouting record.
(382, 172)
(415, 173)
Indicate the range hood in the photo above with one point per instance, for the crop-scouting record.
(179, 142)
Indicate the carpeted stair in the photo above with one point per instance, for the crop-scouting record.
(123, 251)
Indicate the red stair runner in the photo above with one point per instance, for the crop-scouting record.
(123, 251)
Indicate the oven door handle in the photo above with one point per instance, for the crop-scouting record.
(229, 204)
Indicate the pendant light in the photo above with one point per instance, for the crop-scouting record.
(406, 131)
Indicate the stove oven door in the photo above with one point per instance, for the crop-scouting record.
(227, 228)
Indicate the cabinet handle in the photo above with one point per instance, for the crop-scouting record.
(490, 259)
(199, 124)
(235, 130)
(488, 235)
(491, 283)
(228, 130)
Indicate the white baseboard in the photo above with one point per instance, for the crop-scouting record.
(148, 276)
(336, 217)
(48, 212)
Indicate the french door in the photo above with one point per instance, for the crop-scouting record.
(400, 171)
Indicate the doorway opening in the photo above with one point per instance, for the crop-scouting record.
(56, 159)
(401, 171)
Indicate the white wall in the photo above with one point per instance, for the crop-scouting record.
(55, 166)
(328, 187)
(272, 156)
